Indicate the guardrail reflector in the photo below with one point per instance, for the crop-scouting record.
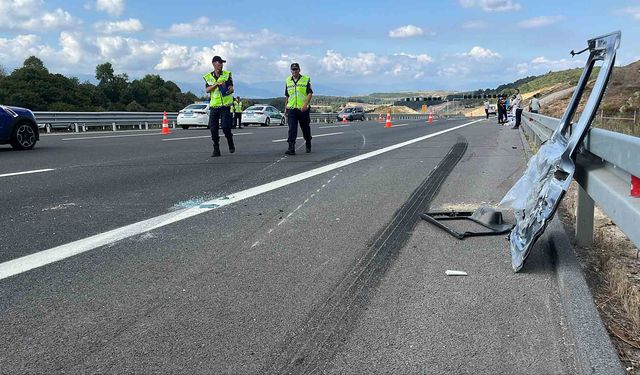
(635, 186)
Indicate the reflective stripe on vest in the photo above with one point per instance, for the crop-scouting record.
(216, 97)
(297, 91)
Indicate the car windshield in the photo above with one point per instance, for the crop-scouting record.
(196, 107)
(348, 110)
(255, 109)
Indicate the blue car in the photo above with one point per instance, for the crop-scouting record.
(18, 127)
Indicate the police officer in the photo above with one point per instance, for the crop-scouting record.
(237, 112)
(219, 85)
(298, 94)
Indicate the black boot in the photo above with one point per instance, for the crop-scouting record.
(308, 146)
(291, 150)
(216, 150)
(232, 148)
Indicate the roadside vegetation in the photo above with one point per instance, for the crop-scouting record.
(33, 86)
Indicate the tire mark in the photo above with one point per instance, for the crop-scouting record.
(315, 343)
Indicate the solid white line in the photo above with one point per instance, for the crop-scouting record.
(315, 136)
(109, 136)
(42, 258)
(198, 137)
(399, 125)
(26, 172)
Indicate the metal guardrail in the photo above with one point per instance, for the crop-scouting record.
(81, 121)
(603, 173)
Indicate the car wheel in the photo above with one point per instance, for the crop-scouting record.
(267, 121)
(24, 136)
(185, 127)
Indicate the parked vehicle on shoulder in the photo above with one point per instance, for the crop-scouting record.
(18, 127)
(194, 115)
(264, 115)
(351, 114)
(493, 109)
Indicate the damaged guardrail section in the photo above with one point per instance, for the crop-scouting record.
(603, 171)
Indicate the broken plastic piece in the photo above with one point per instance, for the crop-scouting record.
(536, 196)
(455, 273)
(485, 216)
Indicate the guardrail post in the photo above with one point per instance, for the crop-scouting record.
(584, 219)
(146, 125)
(113, 126)
(84, 128)
(75, 127)
(173, 124)
(48, 127)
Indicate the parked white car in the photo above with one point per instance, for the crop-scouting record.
(194, 115)
(264, 115)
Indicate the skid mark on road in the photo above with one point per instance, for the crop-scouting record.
(313, 345)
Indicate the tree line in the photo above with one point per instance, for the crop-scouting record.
(33, 86)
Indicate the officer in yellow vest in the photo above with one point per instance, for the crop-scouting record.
(298, 94)
(219, 85)
(237, 112)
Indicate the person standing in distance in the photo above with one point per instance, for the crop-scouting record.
(219, 85)
(237, 112)
(518, 105)
(298, 94)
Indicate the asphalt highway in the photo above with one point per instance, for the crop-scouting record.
(141, 253)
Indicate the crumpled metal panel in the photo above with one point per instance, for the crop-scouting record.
(536, 196)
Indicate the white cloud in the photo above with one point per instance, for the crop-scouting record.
(72, 48)
(406, 31)
(27, 15)
(203, 28)
(112, 7)
(492, 5)
(542, 64)
(362, 64)
(632, 11)
(129, 26)
(541, 21)
(475, 25)
(479, 54)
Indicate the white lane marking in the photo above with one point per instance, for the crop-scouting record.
(109, 136)
(333, 126)
(315, 136)
(42, 258)
(26, 172)
(198, 137)
(399, 125)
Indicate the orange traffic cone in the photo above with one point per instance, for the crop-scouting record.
(430, 117)
(165, 124)
(388, 123)
(635, 186)
(344, 118)
(380, 118)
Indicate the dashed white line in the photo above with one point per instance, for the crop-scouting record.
(198, 137)
(109, 136)
(45, 257)
(315, 136)
(26, 172)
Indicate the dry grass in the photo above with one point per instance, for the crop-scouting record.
(612, 268)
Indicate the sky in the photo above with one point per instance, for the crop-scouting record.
(346, 47)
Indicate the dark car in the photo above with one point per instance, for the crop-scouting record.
(352, 114)
(18, 127)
